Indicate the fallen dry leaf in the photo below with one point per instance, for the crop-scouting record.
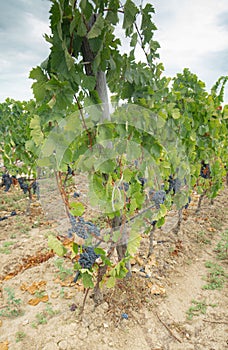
(68, 282)
(69, 295)
(139, 260)
(4, 345)
(34, 287)
(157, 290)
(36, 301)
(9, 276)
(211, 229)
(54, 295)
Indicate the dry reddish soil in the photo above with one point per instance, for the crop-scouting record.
(46, 317)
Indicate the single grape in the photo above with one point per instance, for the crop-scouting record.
(124, 316)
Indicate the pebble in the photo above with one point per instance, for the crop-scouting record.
(25, 322)
(63, 345)
(83, 334)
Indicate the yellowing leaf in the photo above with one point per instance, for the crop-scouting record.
(56, 246)
(36, 131)
(110, 283)
(176, 113)
(133, 243)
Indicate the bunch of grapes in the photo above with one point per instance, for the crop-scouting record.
(124, 186)
(36, 188)
(69, 170)
(13, 213)
(205, 170)
(82, 228)
(24, 186)
(157, 197)
(188, 202)
(6, 181)
(88, 258)
(143, 181)
(174, 184)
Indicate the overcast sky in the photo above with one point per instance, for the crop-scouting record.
(192, 34)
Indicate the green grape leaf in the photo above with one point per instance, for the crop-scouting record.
(110, 283)
(56, 246)
(130, 12)
(97, 27)
(77, 209)
(87, 279)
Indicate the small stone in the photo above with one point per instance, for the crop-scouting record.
(83, 334)
(25, 322)
(105, 325)
(62, 345)
(92, 327)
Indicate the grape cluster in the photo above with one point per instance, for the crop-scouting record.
(69, 170)
(187, 204)
(124, 316)
(13, 213)
(24, 186)
(174, 184)
(36, 188)
(88, 258)
(205, 171)
(143, 181)
(82, 228)
(157, 197)
(124, 186)
(6, 181)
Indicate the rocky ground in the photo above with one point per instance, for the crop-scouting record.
(176, 299)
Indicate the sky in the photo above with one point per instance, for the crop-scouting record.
(192, 34)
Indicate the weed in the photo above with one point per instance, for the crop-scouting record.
(198, 308)
(216, 277)
(63, 271)
(12, 308)
(202, 237)
(20, 336)
(216, 224)
(6, 247)
(49, 310)
(41, 318)
(222, 247)
(62, 293)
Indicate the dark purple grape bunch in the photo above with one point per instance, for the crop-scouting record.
(205, 171)
(6, 182)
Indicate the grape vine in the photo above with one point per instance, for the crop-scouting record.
(141, 158)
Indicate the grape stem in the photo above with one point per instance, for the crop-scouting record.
(84, 301)
(151, 240)
(200, 201)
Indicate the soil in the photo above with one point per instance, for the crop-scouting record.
(44, 313)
